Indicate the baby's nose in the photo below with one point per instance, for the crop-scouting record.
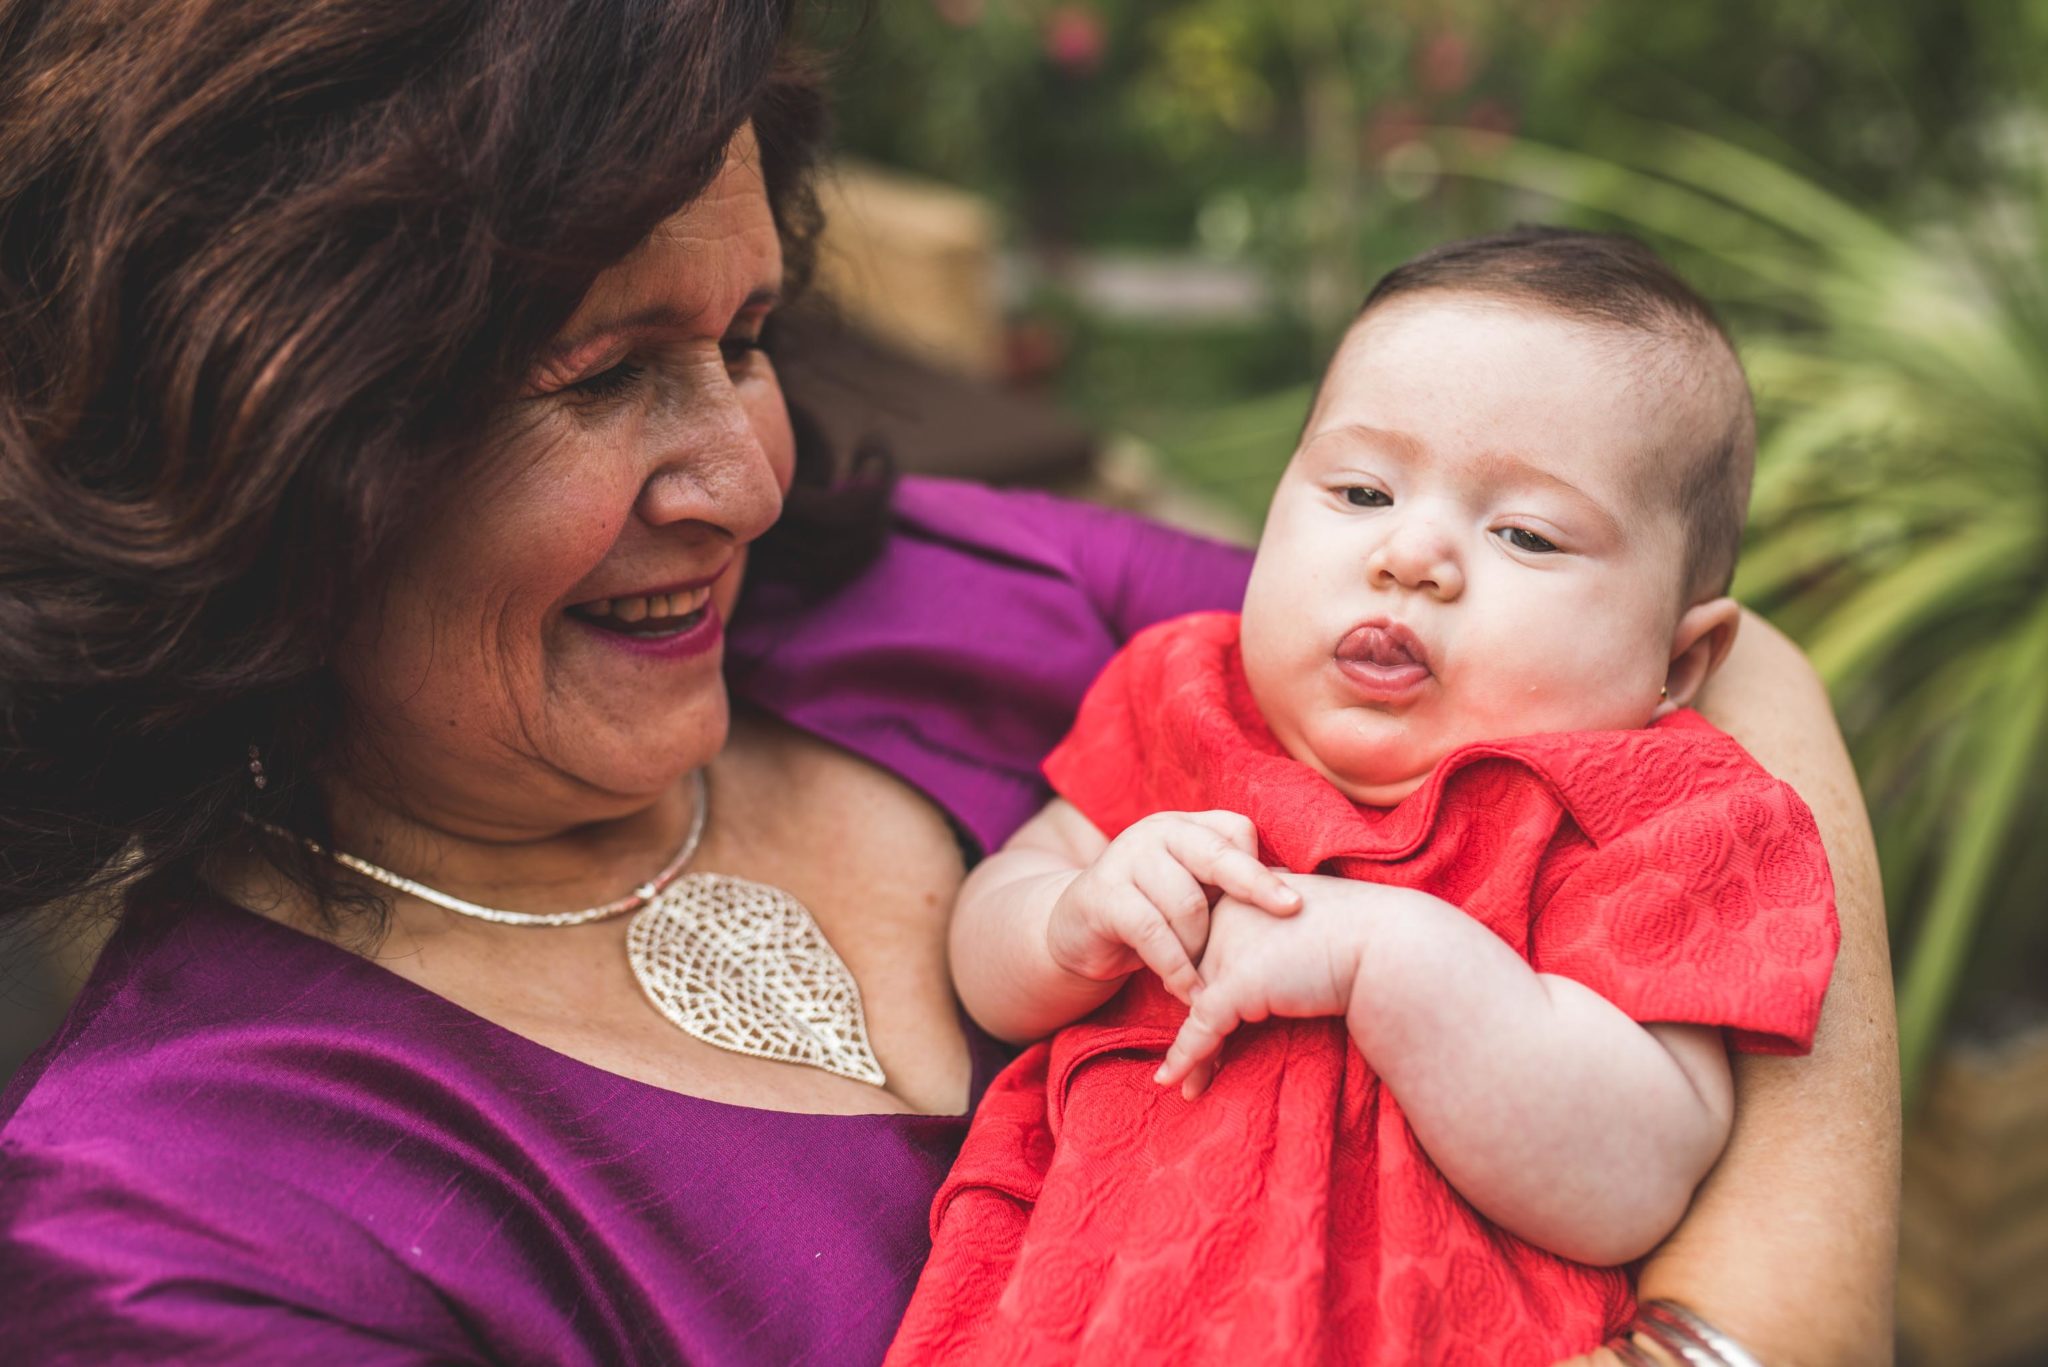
(1420, 557)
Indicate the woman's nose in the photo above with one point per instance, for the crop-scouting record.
(1420, 556)
(717, 471)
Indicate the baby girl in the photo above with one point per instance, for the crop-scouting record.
(1431, 814)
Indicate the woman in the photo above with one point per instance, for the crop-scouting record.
(387, 431)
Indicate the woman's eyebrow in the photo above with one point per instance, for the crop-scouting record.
(660, 318)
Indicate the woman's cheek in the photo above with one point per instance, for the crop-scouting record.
(768, 414)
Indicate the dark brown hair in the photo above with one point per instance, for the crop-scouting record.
(1612, 280)
(264, 266)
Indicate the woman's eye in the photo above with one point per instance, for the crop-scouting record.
(611, 383)
(1358, 496)
(1522, 539)
(738, 349)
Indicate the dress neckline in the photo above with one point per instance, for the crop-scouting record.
(234, 918)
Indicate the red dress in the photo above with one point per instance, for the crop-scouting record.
(1289, 1215)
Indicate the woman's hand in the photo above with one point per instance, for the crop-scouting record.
(1145, 899)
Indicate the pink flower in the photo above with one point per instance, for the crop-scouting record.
(1075, 39)
(1444, 62)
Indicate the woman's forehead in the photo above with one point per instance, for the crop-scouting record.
(715, 257)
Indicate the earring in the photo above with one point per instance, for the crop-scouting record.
(1662, 693)
(256, 774)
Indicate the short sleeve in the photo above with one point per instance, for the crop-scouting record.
(105, 1261)
(1718, 911)
(1138, 572)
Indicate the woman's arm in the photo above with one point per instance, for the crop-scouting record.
(1791, 1245)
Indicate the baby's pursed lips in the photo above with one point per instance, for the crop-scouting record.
(1389, 645)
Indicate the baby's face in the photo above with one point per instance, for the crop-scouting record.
(1467, 545)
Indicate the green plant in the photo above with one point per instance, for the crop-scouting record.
(1900, 523)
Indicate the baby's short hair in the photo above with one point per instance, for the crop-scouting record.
(1612, 280)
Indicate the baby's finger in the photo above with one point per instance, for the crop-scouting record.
(1221, 864)
(1198, 1080)
(1210, 1019)
(1178, 897)
(1140, 926)
(1234, 827)
(1246, 879)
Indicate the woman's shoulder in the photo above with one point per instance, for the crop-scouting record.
(171, 1145)
(194, 1009)
(957, 658)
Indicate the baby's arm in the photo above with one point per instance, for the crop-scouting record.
(1557, 1116)
(1047, 928)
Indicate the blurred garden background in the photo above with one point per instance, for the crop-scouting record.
(1179, 204)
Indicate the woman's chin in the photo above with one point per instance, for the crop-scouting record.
(633, 765)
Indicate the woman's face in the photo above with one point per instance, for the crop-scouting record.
(548, 650)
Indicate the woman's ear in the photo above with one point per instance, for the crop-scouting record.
(1702, 640)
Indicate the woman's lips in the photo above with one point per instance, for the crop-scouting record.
(1384, 661)
(673, 621)
(670, 638)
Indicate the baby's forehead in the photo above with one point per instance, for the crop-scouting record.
(1556, 390)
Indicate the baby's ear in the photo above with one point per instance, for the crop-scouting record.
(1702, 640)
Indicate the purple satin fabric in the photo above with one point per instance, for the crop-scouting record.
(247, 1145)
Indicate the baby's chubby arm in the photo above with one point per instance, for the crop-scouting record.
(1557, 1116)
(1047, 928)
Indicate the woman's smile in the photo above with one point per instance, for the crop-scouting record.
(672, 626)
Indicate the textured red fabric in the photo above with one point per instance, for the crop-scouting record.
(1289, 1215)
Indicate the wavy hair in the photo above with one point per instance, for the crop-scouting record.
(264, 267)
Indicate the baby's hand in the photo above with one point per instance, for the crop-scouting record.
(1145, 900)
(1257, 966)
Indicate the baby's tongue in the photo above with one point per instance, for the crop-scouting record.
(1376, 646)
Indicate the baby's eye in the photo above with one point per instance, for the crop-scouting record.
(1522, 539)
(1359, 496)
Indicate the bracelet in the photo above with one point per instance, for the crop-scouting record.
(1623, 1346)
(1681, 1333)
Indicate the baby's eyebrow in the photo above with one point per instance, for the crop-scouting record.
(1504, 468)
(1361, 434)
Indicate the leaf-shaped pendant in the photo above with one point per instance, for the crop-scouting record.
(743, 966)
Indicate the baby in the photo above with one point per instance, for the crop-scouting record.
(1430, 810)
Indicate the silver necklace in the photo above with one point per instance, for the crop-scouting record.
(737, 964)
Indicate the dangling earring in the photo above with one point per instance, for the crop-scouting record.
(256, 774)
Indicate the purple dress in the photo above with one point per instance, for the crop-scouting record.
(247, 1145)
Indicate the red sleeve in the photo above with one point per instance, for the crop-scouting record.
(1719, 911)
(1146, 738)
(1098, 766)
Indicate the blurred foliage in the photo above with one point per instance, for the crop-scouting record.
(1195, 122)
(1862, 188)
